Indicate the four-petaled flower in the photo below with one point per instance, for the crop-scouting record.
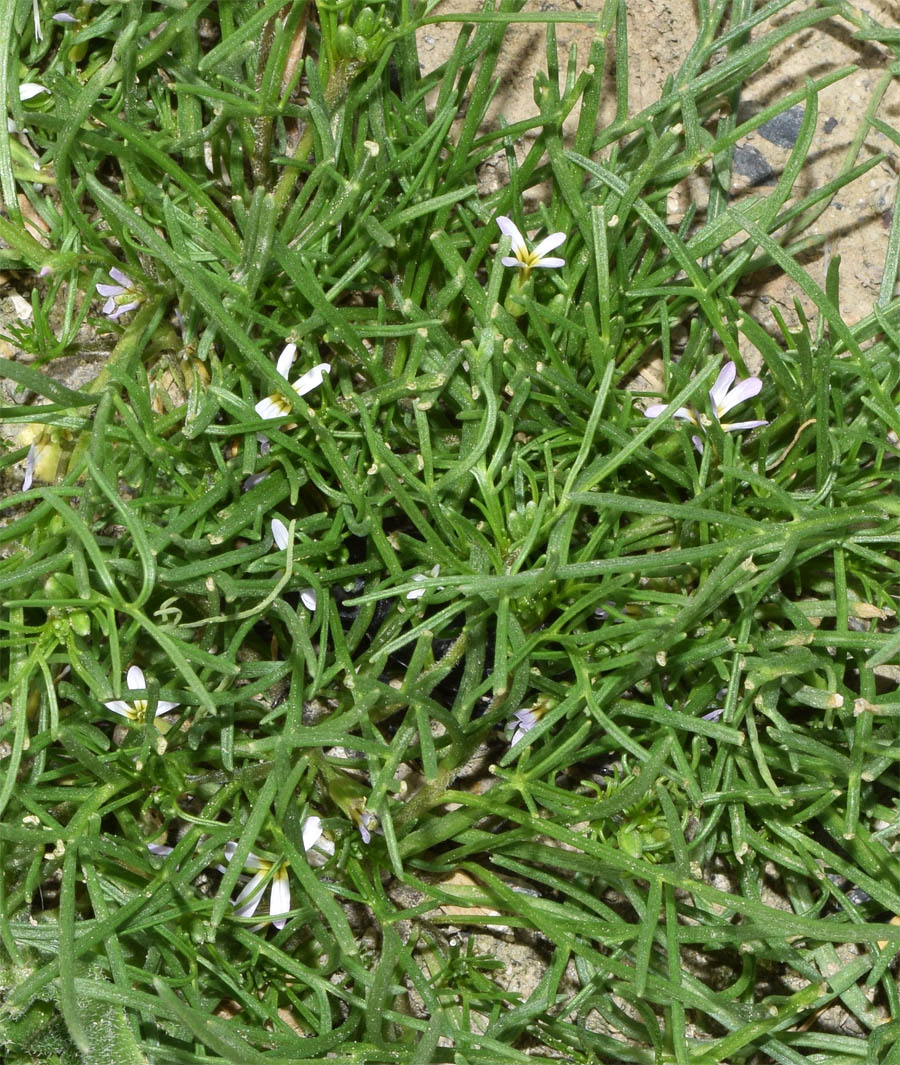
(524, 259)
(247, 902)
(136, 709)
(417, 593)
(722, 398)
(120, 297)
(282, 538)
(276, 405)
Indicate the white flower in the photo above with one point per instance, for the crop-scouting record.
(417, 593)
(121, 297)
(64, 16)
(281, 536)
(247, 902)
(319, 848)
(276, 405)
(527, 260)
(722, 397)
(136, 709)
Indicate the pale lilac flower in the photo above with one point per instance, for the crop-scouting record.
(64, 16)
(417, 593)
(276, 405)
(524, 259)
(162, 850)
(247, 902)
(367, 824)
(136, 709)
(722, 398)
(525, 720)
(282, 537)
(120, 297)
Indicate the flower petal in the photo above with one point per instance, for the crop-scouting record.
(417, 593)
(279, 529)
(312, 831)
(655, 409)
(549, 263)
(123, 279)
(30, 463)
(508, 260)
(741, 392)
(246, 904)
(29, 89)
(686, 415)
(270, 407)
(280, 897)
(367, 821)
(135, 678)
(312, 378)
(309, 599)
(723, 383)
(509, 228)
(110, 290)
(63, 16)
(164, 706)
(286, 359)
(548, 244)
(119, 706)
(252, 862)
(734, 427)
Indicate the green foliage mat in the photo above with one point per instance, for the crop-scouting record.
(465, 531)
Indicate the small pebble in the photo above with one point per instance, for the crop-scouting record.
(752, 164)
(784, 129)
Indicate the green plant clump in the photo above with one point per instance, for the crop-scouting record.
(327, 710)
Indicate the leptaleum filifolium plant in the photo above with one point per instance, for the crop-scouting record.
(275, 652)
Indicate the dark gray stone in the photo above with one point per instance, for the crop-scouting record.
(784, 129)
(752, 164)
